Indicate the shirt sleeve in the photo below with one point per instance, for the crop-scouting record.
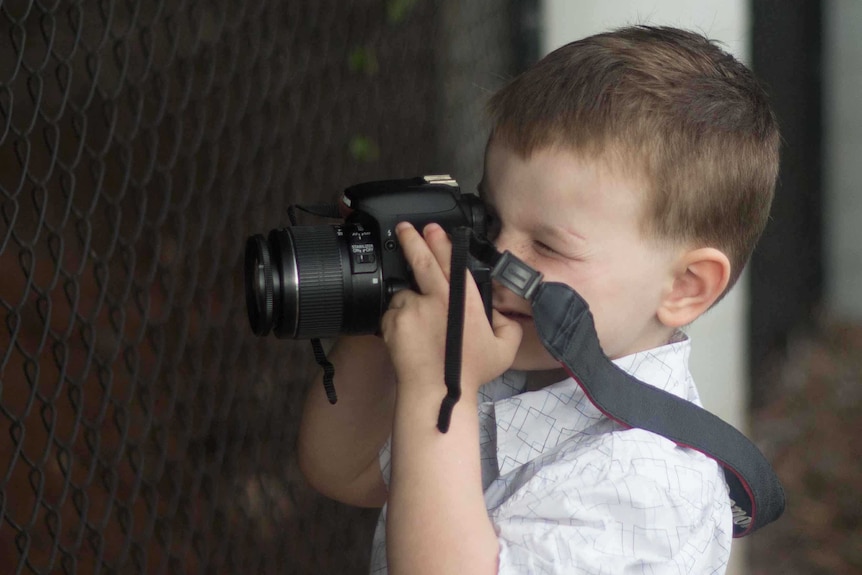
(635, 504)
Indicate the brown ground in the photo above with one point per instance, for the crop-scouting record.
(811, 429)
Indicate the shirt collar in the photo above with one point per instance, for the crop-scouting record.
(529, 424)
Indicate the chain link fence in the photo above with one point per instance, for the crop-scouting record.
(145, 429)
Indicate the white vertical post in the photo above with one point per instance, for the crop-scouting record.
(843, 142)
(719, 338)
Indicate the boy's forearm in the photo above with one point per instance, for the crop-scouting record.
(338, 444)
(437, 522)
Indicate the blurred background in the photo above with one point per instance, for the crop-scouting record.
(146, 430)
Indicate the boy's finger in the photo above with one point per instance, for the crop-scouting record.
(427, 272)
(440, 245)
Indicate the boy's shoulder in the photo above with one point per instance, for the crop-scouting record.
(528, 426)
(614, 477)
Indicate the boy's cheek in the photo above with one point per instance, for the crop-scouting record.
(532, 355)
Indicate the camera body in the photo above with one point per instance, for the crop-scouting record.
(321, 281)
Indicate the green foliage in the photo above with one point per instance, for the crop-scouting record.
(363, 60)
(398, 10)
(364, 149)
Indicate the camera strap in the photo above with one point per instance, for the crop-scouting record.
(566, 328)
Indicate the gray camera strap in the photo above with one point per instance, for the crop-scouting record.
(565, 326)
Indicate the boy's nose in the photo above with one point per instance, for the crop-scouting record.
(505, 242)
(500, 240)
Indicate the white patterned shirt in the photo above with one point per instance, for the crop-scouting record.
(570, 491)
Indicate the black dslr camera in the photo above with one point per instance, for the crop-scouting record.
(306, 282)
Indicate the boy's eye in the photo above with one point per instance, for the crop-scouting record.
(544, 248)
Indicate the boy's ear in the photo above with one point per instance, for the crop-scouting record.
(699, 281)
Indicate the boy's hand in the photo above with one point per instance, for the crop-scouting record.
(414, 326)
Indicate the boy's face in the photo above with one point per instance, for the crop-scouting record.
(579, 223)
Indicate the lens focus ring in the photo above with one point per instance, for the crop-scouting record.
(321, 281)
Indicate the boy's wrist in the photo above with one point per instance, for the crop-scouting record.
(421, 404)
(419, 387)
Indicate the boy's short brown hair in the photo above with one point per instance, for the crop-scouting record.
(666, 105)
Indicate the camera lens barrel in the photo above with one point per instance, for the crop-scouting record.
(314, 281)
(277, 300)
(314, 306)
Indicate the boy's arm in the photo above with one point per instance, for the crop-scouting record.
(339, 444)
(437, 521)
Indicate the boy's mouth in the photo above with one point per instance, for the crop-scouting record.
(515, 315)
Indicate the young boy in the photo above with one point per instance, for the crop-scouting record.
(637, 167)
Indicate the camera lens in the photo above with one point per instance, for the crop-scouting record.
(313, 281)
(294, 282)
